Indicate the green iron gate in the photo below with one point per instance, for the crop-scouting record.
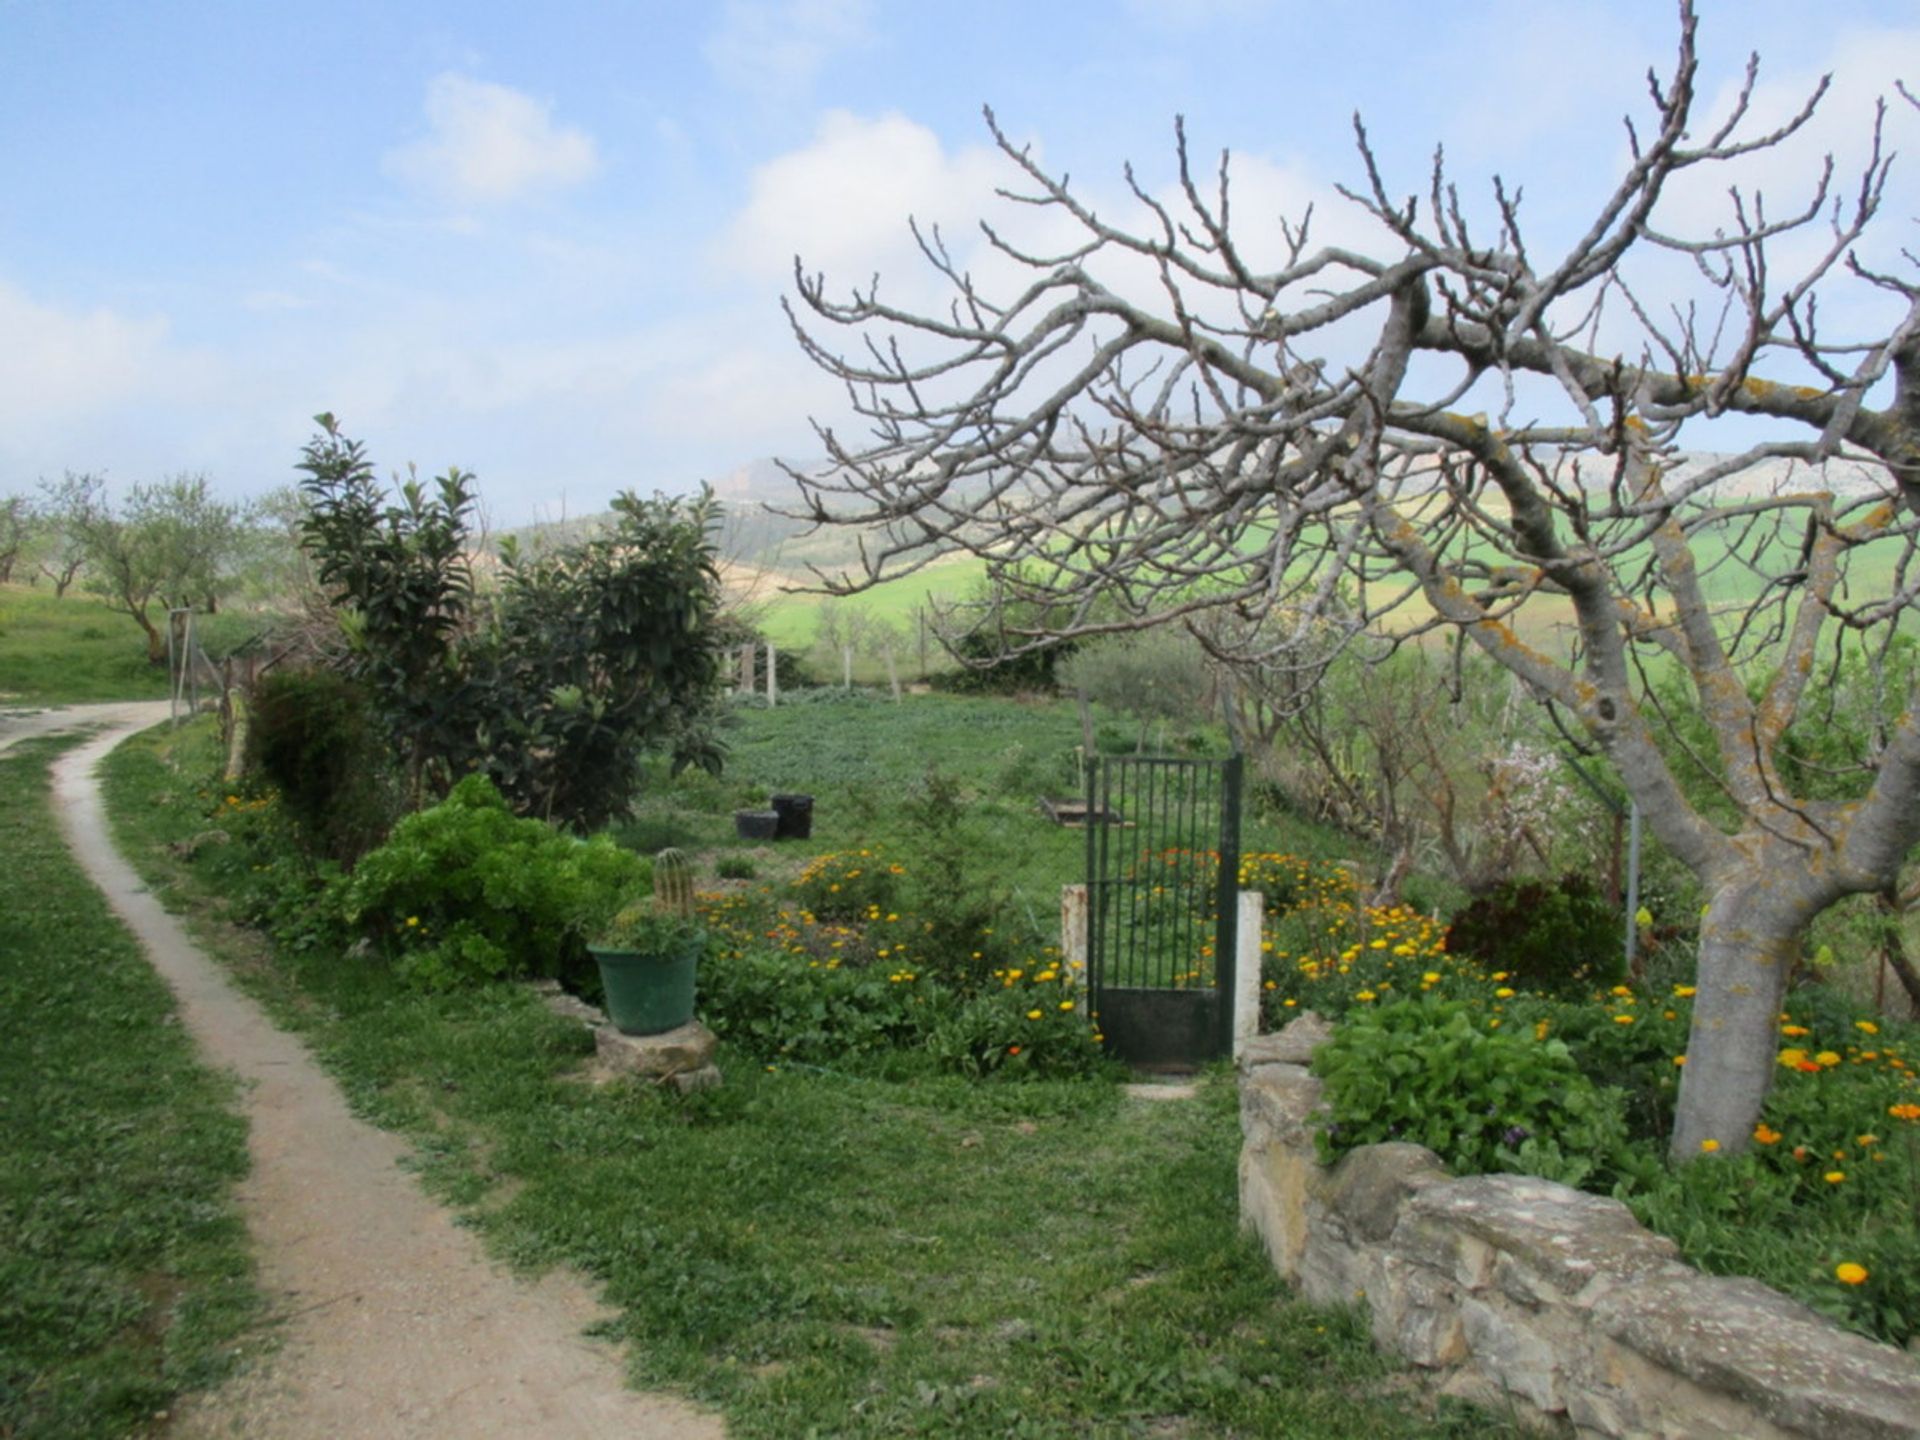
(1163, 869)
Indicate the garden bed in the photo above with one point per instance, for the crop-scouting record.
(1513, 1287)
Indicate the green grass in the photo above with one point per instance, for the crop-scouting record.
(124, 1274)
(818, 1254)
(74, 650)
(71, 650)
(862, 756)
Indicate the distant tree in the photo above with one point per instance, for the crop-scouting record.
(16, 527)
(67, 508)
(1182, 457)
(167, 546)
(1153, 675)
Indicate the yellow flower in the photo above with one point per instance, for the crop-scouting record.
(1827, 1058)
(1643, 917)
(1707, 1147)
(1866, 1027)
(1680, 1060)
(1834, 1177)
(1623, 1019)
(1034, 1014)
(1503, 993)
(1622, 990)
(1793, 1057)
(1683, 991)
(1066, 1004)
(1365, 995)
(1867, 1139)
(1848, 1273)
(1796, 1031)
(412, 920)
(1432, 977)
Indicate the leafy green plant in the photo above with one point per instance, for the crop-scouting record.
(735, 867)
(466, 891)
(311, 736)
(1559, 936)
(588, 656)
(969, 928)
(645, 929)
(1481, 1098)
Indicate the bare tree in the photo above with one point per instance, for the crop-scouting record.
(1185, 459)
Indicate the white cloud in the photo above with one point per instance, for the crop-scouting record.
(778, 46)
(487, 144)
(842, 202)
(61, 366)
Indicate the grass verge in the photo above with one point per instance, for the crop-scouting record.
(819, 1254)
(124, 1273)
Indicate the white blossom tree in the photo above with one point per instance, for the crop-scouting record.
(1183, 455)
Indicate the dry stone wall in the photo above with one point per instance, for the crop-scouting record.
(1517, 1290)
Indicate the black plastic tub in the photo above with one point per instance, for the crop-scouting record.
(796, 816)
(757, 824)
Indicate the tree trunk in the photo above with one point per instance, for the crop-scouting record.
(156, 642)
(1749, 940)
(1894, 949)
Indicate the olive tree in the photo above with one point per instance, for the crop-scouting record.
(165, 546)
(1186, 452)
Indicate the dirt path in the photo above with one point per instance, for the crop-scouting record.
(394, 1322)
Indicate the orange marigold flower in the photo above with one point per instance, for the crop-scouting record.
(1707, 1147)
(1848, 1273)
(1904, 1112)
(1764, 1134)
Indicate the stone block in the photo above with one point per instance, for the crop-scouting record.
(1368, 1186)
(1277, 1105)
(1566, 1240)
(1507, 1347)
(1293, 1044)
(1416, 1314)
(655, 1057)
(1273, 1200)
(1773, 1354)
(1441, 1245)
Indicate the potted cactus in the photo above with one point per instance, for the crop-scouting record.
(649, 952)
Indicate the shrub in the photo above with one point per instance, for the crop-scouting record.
(1480, 1098)
(735, 867)
(466, 892)
(311, 735)
(1555, 937)
(847, 884)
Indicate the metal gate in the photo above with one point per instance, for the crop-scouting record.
(1163, 870)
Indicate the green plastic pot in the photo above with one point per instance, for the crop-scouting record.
(649, 993)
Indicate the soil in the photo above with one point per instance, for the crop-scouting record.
(390, 1319)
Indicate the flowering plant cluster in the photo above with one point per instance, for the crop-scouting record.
(1437, 1048)
(864, 982)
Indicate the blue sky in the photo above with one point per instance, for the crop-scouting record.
(547, 243)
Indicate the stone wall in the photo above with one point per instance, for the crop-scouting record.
(1517, 1290)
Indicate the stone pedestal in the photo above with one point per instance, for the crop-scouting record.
(682, 1057)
